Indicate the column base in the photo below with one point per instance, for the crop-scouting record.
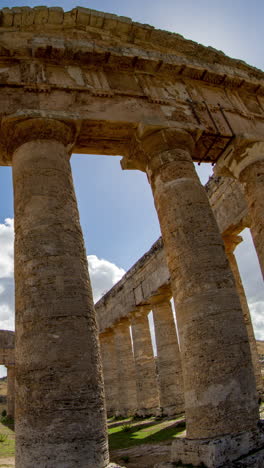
(148, 412)
(172, 410)
(251, 461)
(222, 451)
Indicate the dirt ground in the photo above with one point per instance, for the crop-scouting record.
(7, 462)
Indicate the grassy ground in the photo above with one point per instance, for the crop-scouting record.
(7, 447)
(3, 392)
(122, 434)
(128, 434)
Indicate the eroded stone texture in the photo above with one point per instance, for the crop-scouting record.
(108, 353)
(60, 415)
(221, 451)
(168, 358)
(11, 391)
(220, 395)
(230, 244)
(146, 376)
(127, 392)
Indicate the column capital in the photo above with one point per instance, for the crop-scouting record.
(140, 311)
(238, 156)
(231, 241)
(154, 148)
(17, 131)
(122, 324)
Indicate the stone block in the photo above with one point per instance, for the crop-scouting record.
(217, 452)
(55, 15)
(142, 32)
(7, 17)
(83, 16)
(41, 15)
(96, 19)
(110, 22)
(124, 24)
(69, 18)
(17, 16)
(28, 16)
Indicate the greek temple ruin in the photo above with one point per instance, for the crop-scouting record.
(146, 286)
(89, 82)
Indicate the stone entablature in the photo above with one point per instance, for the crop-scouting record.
(149, 278)
(162, 81)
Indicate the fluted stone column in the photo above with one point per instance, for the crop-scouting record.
(219, 383)
(110, 376)
(169, 360)
(231, 241)
(11, 391)
(146, 375)
(127, 392)
(60, 415)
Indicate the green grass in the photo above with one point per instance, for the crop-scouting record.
(147, 433)
(7, 448)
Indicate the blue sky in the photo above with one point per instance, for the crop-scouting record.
(116, 207)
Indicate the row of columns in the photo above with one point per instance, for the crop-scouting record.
(134, 382)
(60, 415)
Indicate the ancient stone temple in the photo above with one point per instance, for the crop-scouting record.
(94, 83)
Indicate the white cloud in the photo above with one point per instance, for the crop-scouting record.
(103, 274)
(7, 247)
(252, 281)
(6, 275)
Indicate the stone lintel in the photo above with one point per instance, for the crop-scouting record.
(217, 452)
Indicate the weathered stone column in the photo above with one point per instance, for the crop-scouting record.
(231, 241)
(169, 360)
(108, 353)
(127, 392)
(11, 391)
(146, 376)
(244, 160)
(219, 383)
(60, 415)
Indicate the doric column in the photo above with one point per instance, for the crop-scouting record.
(169, 360)
(60, 416)
(231, 241)
(146, 375)
(108, 353)
(244, 160)
(219, 383)
(127, 392)
(11, 391)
